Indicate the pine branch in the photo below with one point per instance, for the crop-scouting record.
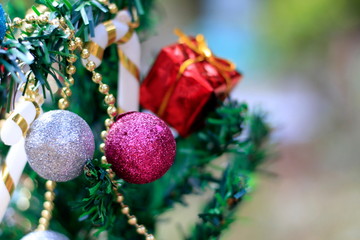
(230, 130)
(10, 52)
(46, 44)
(98, 207)
(219, 212)
(195, 153)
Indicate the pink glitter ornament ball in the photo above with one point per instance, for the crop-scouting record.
(140, 147)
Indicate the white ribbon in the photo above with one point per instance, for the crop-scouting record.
(15, 163)
(128, 83)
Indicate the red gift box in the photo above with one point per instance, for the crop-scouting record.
(186, 82)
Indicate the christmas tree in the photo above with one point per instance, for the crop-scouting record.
(82, 57)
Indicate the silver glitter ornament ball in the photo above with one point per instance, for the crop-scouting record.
(44, 235)
(58, 144)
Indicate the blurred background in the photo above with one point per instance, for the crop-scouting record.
(301, 62)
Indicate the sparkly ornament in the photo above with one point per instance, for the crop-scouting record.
(2, 23)
(140, 147)
(58, 144)
(44, 235)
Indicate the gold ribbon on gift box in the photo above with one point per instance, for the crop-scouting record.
(205, 54)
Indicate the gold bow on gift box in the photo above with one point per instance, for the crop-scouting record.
(205, 54)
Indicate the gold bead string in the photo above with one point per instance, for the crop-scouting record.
(132, 220)
(70, 71)
(63, 103)
(114, 10)
(110, 100)
(46, 213)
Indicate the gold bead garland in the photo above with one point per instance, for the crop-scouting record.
(112, 112)
(63, 103)
(70, 70)
(46, 213)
